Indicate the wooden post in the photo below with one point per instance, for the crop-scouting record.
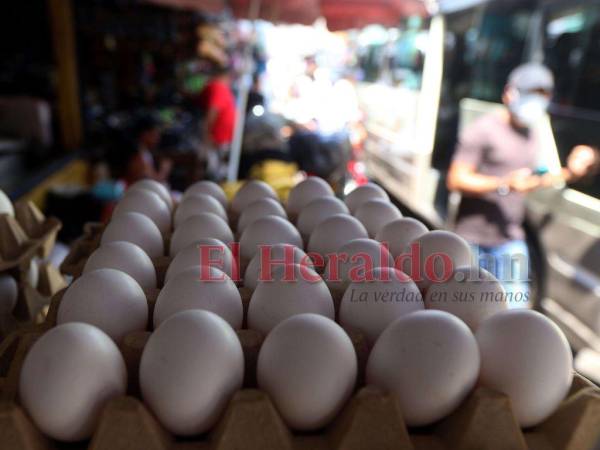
(62, 26)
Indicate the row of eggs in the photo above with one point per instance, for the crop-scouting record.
(307, 363)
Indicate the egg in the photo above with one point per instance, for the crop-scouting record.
(32, 274)
(364, 193)
(126, 257)
(135, 228)
(189, 370)
(258, 209)
(429, 360)
(108, 299)
(433, 257)
(9, 293)
(204, 252)
(148, 203)
(527, 357)
(317, 211)
(329, 235)
(307, 365)
(305, 192)
(250, 192)
(157, 188)
(354, 260)
(369, 306)
(68, 376)
(200, 287)
(398, 233)
(198, 203)
(6, 206)
(294, 290)
(472, 294)
(209, 188)
(375, 214)
(276, 256)
(200, 226)
(267, 230)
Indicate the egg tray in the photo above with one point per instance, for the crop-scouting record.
(32, 302)
(371, 419)
(26, 235)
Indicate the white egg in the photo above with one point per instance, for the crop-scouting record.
(375, 214)
(68, 376)
(6, 206)
(398, 233)
(200, 287)
(108, 299)
(9, 293)
(307, 365)
(472, 294)
(370, 306)
(201, 226)
(354, 260)
(294, 290)
(433, 257)
(148, 203)
(429, 360)
(126, 257)
(193, 205)
(267, 230)
(329, 235)
(204, 252)
(157, 188)
(305, 192)
(527, 357)
(135, 228)
(257, 210)
(250, 192)
(364, 193)
(317, 211)
(190, 368)
(32, 275)
(207, 187)
(274, 256)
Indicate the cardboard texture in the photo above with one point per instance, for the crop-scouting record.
(27, 235)
(371, 420)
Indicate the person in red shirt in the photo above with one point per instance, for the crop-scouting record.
(219, 106)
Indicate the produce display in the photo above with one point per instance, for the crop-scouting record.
(174, 336)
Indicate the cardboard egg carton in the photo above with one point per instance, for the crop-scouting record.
(26, 235)
(81, 249)
(370, 420)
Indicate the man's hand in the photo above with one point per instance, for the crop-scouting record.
(582, 161)
(523, 180)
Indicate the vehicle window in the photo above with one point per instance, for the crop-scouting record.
(397, 61)
(497, 48)
(572, 51)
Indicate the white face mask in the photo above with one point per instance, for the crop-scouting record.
(528, 109)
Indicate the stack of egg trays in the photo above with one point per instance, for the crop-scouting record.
(371, 420)
(27, 235)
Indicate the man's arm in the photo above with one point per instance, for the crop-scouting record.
(463, 177)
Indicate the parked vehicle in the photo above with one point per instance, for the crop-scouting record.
(467, 53)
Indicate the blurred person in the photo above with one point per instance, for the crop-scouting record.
(218, 103)
(495, 164)
(256, 99)
(142, 162)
